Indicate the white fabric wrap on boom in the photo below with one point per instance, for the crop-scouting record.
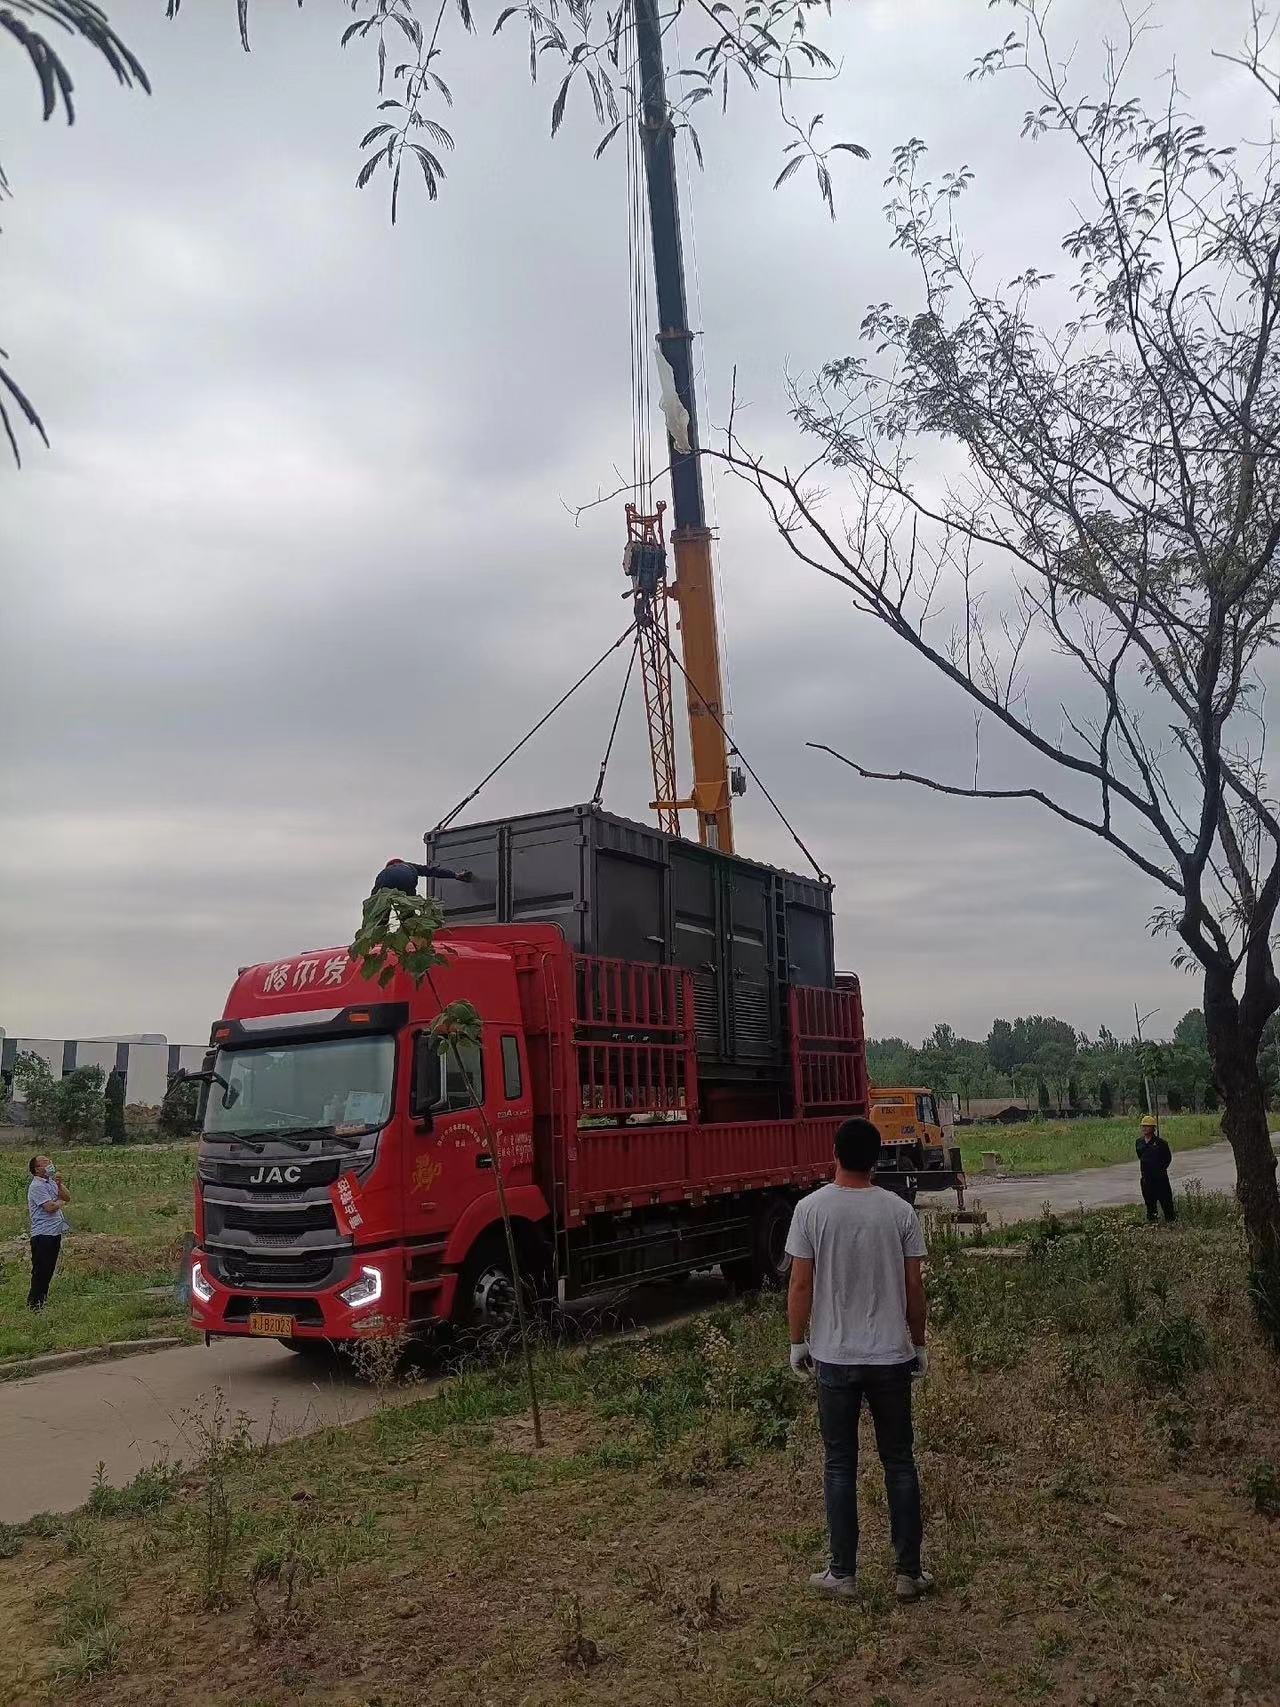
(674, 412)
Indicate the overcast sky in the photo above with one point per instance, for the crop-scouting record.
(298, 565)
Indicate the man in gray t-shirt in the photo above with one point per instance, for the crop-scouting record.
(856, 1308)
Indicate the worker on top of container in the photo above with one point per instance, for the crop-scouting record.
(1154, 1156)
(857, 1312)
(403, 874)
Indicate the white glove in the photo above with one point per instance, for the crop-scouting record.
(922, 1363)
(801, 1360)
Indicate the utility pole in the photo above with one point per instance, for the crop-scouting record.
(1139, 1022)
(691, 538)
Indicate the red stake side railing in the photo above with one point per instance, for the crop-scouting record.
(828, 1051)
(633, 1037)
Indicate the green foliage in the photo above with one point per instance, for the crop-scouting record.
(1263, 1488)
(1168, 1347)
(149, 1491)
(70, 1108)
(398, 930)
(180, 1110)
(457, 1025)
(113, 1127)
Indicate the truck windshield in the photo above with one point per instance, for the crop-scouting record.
(341, 1086)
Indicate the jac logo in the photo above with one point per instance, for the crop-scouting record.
(276, 1176)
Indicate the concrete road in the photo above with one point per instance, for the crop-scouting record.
(1009, 1200)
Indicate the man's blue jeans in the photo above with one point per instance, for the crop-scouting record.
(887, 1390)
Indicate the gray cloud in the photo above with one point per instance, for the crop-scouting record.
(298, 566)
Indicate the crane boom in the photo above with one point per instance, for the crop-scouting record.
(693, 589)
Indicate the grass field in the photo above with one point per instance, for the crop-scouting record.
(1062, 1146)
(1100, 1453)
(130, 1212)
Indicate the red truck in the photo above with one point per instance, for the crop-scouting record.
(345, 1185)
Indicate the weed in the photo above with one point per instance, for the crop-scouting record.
(281, 1569)
(1169, 1347)
(577, 1650)
(148, 1492)
(1263, 1488)
(222, 1439)
(10, 1540)
(380, 1360)
(88, 1657)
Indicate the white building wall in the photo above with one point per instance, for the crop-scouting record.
(148, 1077)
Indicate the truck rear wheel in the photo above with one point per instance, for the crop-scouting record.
(768, 1266)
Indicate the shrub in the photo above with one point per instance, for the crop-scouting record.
(179, 1111)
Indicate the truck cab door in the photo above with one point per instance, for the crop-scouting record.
(449, 1163)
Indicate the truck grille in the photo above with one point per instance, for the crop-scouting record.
(269, 1222)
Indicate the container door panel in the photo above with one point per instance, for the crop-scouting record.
(629, 911)
(545, 879)
(809, 947)
(696, 922)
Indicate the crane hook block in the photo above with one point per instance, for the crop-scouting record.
(644, 560)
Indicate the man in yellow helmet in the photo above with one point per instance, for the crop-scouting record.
(1154, 1156)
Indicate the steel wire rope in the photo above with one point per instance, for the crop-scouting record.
(598, 796)
(526, 738)
(734, 748)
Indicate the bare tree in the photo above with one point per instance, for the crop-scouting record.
(1116, 503)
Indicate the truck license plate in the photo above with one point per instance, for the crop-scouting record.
(275, 1327)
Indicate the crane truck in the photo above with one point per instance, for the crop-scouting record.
(667, 1048)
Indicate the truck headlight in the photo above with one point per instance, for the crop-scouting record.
(199, 1285)
(366, 1290)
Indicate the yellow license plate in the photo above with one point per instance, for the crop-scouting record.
(275, 1327)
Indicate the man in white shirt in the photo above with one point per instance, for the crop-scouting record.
(856, 1308)
(45, 1197)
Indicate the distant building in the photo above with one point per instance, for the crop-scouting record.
(147, 1059)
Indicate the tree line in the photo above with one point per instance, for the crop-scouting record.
(1053, 1067)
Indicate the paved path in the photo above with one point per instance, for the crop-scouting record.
(1097, 1188)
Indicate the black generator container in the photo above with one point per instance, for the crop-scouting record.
(626, 891)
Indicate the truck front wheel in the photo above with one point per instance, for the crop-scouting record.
(768, 1266)
(486, 1296)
